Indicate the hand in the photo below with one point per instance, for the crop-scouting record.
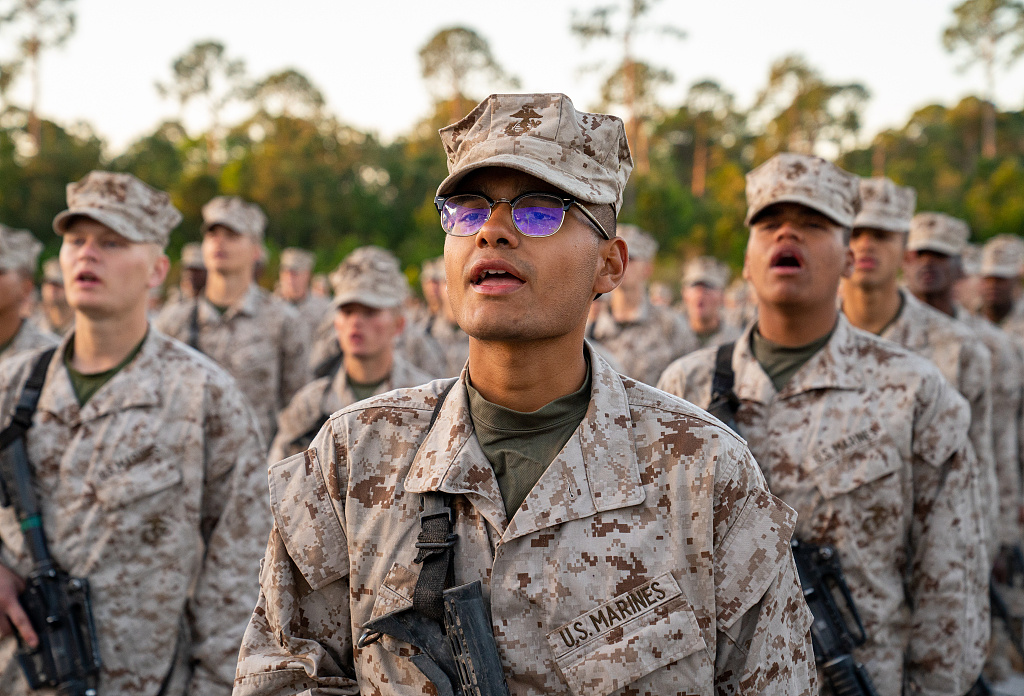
(11, 612)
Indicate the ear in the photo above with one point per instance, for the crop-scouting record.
(847, 262)
(158, 272)
(399, 321)
(612, 261)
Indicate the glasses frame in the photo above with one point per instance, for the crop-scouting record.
(567, 202)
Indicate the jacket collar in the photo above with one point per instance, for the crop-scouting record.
(247, 306)
(596, 471)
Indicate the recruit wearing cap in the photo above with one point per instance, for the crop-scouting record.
(370, 276)
(52, 273)
(706, 270)
(583, 154)
(19, 250)
(133, 209)
(938, 232)
(807, 180)
(298, 260)
(433, 270)
(1002, 257)
(192, 256)
(885, 206)
(237, 214)
(641, 246)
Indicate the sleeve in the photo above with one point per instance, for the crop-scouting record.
(235, 521)
(169, 321)
(295, 370)
(299, 638)
(1006, 395)
(764, 641)
(947, 582)
(976, 386)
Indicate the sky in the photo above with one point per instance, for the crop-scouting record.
(364, 55)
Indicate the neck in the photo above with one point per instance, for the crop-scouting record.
(226, 290)
(10, 325)
(870, 308)
(368, 369)
(941, 300)
(102, 344)
(626, 303)
(793, 328)
(525, 376)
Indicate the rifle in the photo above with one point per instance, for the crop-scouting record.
(58, 605)
(821, 577)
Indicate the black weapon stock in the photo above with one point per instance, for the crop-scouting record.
(822, 580)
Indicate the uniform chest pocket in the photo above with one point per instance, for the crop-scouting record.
(141, 474)
(842, 473)
(629, 637)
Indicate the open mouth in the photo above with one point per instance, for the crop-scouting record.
(786, 258)
(495, 276)
(87, 277)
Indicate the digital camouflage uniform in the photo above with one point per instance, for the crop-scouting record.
(153, 491)
(19, 253)
(648, 558)
(868, 443)
(648, 490)
(261, 342)
(709, 271)
(320, 398)
(29, 337)
(646, 346)
(311, 308)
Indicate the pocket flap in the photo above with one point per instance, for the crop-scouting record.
(841, 475)
(307, 520)
(626, 638)
(139, 476)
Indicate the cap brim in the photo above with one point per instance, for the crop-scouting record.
(545, 172)
(934, 245)
(880, 223)
(368, 299)
(108, 218)
(831, 214)
(1000, 272)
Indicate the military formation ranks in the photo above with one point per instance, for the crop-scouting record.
(857, 395)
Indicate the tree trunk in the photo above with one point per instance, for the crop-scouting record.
(698, 178)
(988, 130)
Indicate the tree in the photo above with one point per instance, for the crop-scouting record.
(41, 24)
(205, 72)
(633, 84)
(287, 93)
(456, 62)
(711, 109)
(800, 110)
(981, 29)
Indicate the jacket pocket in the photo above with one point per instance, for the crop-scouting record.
(140, 474)
(843, 473)
(629, 637)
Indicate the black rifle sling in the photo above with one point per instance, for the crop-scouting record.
(725, 378)
(28, 400)
(193, 326)
(436, 544)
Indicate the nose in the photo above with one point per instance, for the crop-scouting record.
(499, 230)
(787, 230)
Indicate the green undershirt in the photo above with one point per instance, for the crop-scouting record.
(520, 446)
(704, 336)
(780, 363)
(87, 385)
(364, 390)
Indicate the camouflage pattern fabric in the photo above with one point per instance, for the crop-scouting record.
(326, 396)
(313, 311)
(645, 347)
(452, 340)
(965, 362)
(868, 443)
(726, 332)
(29, 337)
(648, 559)
(155, 492)
(261, 342)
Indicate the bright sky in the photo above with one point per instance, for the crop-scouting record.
(363, 55)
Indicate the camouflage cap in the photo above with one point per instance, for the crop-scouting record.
(970, 259)
(1002, 257)
(706, 270)
(807, 180)
(236, 214)
(52, 273)
(370, 276)
(641, 246)
(192, 256)
(433, 269)
(938, 232)
(295, 259)
(586, 155)
(885, 206)
(19, 250)
(133, 209)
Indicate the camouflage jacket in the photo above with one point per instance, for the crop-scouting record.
(312, 310)
(965, 362)
(1007, 402)
(155, 492)
(648, 491)
(869, 444)
(453, 341)
(261, 342)
(646, 346)
(29, 337)
(316, 401)
(726, 333)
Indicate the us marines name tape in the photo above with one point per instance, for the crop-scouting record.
(626, 607)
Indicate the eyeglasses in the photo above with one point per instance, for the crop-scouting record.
(533, 214)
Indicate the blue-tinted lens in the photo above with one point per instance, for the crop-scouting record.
(464, 215)
(538, 216)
